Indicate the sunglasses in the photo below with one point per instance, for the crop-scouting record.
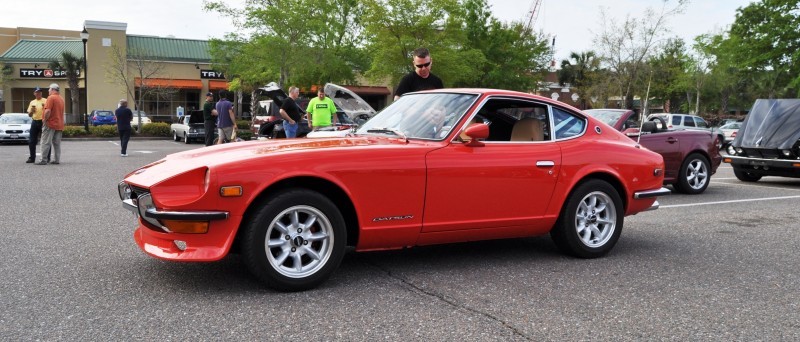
(420, 66)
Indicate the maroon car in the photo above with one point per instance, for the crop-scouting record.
(690, 157)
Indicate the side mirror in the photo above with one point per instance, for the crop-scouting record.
(476, 131)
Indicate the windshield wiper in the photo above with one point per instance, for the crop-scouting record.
(394, 131)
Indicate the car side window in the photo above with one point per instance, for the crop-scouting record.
(567, 125)
(700, 122)
(689, 122)
(514, 120)
(676, 120)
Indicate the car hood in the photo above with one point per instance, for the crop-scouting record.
(246, 152)
(347, 101)
(15, 126)
(773, 124)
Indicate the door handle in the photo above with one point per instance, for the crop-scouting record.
(545, 163)
(672, 140)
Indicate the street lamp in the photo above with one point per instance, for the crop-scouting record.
(85, 38)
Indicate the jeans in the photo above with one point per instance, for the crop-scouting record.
(210, 127)
(51, 139)
(290, 130)
(36, 130)
(124, 137)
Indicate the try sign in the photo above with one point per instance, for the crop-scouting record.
(43, 73)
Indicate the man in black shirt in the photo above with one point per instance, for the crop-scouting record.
(421, 78)
(124, 117)
(290, 112)
(209, 118)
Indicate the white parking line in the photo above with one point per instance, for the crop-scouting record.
(726, 202)
(755, 185)
(114, 142)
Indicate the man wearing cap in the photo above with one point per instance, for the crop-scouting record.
(210, 118)
(35, 111)
(124, 117)
(53, 125)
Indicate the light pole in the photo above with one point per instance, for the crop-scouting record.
(85, 38)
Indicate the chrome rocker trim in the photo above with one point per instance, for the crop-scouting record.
(651, 193)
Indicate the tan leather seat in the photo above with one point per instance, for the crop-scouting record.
(527, 129)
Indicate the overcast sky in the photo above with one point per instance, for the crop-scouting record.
(573, 22)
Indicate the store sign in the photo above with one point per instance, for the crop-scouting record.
(44, 73)
(211, 75)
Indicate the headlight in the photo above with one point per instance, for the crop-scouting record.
(27, 131)
(731, 150)
(738, 150)
(1, 131)
(786, 153)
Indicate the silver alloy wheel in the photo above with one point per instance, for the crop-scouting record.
(299, 241)
(696, 174)
(596, 219)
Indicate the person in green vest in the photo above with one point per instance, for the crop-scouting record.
(321, 111)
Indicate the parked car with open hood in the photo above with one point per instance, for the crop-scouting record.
(15, 127)
(690, 156)
(348, 105)
(768, 142)
(189, 127)
(441, 166)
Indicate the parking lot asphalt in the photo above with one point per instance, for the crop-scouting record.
(722, 265)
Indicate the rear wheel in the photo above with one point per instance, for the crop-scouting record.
(295, 241)
(590, 222)
(745, 176)
(694, 175)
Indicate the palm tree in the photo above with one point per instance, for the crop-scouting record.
(579, 73)
(72, 65)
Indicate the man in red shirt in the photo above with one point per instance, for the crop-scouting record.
(53, 125)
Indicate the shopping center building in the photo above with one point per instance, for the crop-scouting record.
(184, 69)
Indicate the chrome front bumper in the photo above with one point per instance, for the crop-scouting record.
(143, 206)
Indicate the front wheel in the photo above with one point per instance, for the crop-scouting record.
(694, 175)
(186, 139)
(590, 222)
(175, 136)
(295, 241)
(745, 176)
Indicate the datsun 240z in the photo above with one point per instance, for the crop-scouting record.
(434, 167)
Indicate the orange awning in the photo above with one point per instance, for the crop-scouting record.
(168, 83)
(217, 85)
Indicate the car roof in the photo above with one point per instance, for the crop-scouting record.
(499, 92)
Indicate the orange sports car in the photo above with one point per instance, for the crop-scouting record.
(434, 167)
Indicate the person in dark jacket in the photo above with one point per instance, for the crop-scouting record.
(124, 118)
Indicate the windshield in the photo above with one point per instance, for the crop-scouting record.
(611, 117)
(421, 116)
(21, 119)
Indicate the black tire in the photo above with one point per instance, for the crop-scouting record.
(745, 176)
(313, 253)
(580, 230)
(175, 136)
(659, 122)
(186, 139)
(694, 175)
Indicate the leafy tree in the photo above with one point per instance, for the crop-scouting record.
(510, 56)
(134, 70)
(670, 68)
(72, 66)
(624, 47)
(302, 42)
(578, 71)
(769, 45)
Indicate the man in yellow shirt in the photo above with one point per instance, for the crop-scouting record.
(35, 111)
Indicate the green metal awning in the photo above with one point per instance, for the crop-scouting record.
(36, 51)
(169, 49)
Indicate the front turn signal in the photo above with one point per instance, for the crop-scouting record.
(186, 227)
(230, 191)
